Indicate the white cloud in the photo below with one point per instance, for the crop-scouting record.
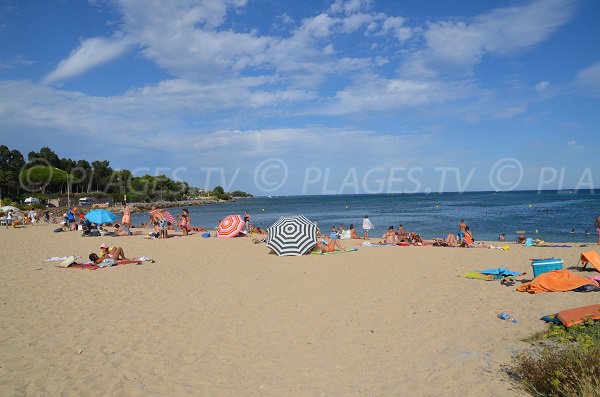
(397, 25)
(457, 45)
(572, 143)
(542, 86)
(356, 21)
(349, 6)
(588, 79)
(90, 53)
(16, 61)
(375, 94)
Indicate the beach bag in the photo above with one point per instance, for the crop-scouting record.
(206, 235)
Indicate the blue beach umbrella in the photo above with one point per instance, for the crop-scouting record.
(100, 216)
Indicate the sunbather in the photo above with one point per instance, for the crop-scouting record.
(112, 252)
(328, 245)
(389, 238)
(353, 232)
(451, 240)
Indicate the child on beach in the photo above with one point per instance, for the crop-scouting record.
(367, 225)
(184, 224)
(162, 228)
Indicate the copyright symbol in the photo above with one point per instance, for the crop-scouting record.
(31, 180)
(506, 174)
(270, 174)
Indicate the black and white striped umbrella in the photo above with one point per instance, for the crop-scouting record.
(292, 236)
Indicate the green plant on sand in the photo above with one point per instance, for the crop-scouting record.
(571, 367)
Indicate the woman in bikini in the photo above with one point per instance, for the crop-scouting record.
(115, 253)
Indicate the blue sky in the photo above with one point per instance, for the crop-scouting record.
(311, 97)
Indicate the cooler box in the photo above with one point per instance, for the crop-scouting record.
(545, 265)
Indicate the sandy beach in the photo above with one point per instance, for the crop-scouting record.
(222, 317)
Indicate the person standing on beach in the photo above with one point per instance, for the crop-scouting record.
(462, 226)
(71, 219)
(126, 220)
(367, 225)
(246, 220)
(9, 218)
(597, 224)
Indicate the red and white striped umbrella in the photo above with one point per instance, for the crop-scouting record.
(156, 214)
(230, 226)
(169, 217)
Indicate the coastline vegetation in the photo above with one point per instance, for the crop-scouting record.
(568, 366)
(45, 175)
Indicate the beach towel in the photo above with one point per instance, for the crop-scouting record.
(529, 242)
(551, 318)
(318, 252)
(500, 271)
(345, 235)
(553, 246)
(479, 276)
(555, 281)
(579, 315)
(503, 248)
(93, 266)
(370, 244)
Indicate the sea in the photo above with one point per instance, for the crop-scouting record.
(553, 216)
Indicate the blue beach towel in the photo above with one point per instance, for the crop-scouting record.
(499, 271)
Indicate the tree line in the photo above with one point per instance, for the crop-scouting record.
(44, 174)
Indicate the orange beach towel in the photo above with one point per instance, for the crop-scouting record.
(554, 281)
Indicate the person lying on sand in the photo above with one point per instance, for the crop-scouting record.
(327, 244)
(124, 231)
(115, 253)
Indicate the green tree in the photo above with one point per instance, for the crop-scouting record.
(219, 190)
(44, 157)
(11, 163)
(41, 177)
(81, 176)
(101, 173)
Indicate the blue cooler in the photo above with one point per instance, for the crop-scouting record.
(545, 265)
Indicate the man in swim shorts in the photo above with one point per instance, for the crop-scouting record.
(597, 224)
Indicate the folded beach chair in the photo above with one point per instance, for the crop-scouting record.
(591, 257)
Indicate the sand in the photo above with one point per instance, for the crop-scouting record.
(224, 318)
